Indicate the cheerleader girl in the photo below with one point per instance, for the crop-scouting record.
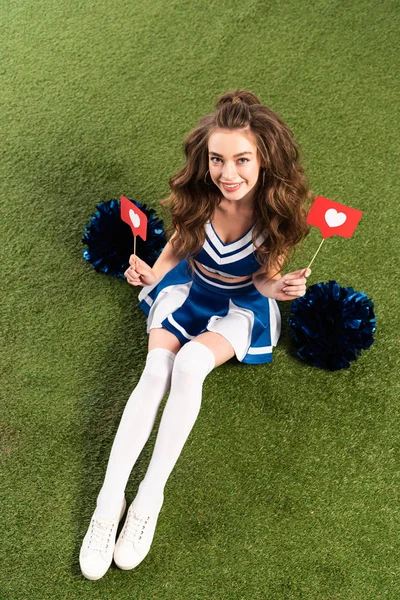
(237, 211)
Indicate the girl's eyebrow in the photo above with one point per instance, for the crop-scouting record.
(234, 156)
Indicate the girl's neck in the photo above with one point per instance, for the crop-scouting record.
(243, 206)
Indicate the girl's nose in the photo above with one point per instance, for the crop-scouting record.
(229, 171)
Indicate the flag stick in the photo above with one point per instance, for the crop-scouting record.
(319, 247)
(134, 246)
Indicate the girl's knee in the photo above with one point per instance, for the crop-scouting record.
(194, 358)
(159, 364)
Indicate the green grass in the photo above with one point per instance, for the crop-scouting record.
(286, 488)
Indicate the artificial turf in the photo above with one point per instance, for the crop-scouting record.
(288, 485)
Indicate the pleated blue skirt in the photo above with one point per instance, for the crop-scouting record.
(188, 305)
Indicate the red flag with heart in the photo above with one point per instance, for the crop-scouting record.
(134, 217)
(333, 218)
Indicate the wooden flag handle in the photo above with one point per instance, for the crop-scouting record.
(319, 248)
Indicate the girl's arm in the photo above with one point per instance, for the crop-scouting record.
(167, 260)
(286, 287)
(261, 280)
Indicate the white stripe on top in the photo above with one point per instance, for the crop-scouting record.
(235, 257)
(224, 249)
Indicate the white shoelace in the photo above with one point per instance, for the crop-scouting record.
(101, 531)
(134, 527)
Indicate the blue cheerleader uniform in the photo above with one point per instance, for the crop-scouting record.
(188, 305)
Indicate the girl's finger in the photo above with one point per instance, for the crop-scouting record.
(294, 288)
(133, 260)
(133, 273)
(134, 281)
(131, 276)
(288, 281)
(139, 265)
(296, 294)
(299, 273)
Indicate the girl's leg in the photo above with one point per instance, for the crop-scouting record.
(134, 429)
(192, 364)
(137, 420)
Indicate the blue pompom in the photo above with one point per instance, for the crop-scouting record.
(110, 241)
(331, 325)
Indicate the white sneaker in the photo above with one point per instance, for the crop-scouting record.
(98, 544)
(135, 539)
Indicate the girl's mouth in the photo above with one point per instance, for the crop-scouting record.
(231, 188)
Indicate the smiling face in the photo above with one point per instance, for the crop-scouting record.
(233, 163)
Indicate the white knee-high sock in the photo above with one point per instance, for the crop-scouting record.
(192, 364)
(134, 430)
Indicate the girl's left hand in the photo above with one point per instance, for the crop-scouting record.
(291, 285)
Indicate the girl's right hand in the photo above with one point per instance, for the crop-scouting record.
(139, 273)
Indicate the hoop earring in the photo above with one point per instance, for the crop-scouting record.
(205, 178)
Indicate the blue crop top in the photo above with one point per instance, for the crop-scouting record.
(236, 259)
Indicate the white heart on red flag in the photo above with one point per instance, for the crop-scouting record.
(335, 218)
(134, 217)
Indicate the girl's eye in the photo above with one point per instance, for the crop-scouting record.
(216, 158)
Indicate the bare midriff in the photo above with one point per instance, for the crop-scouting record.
(220, 277)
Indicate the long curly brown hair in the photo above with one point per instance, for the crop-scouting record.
(281, 194)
